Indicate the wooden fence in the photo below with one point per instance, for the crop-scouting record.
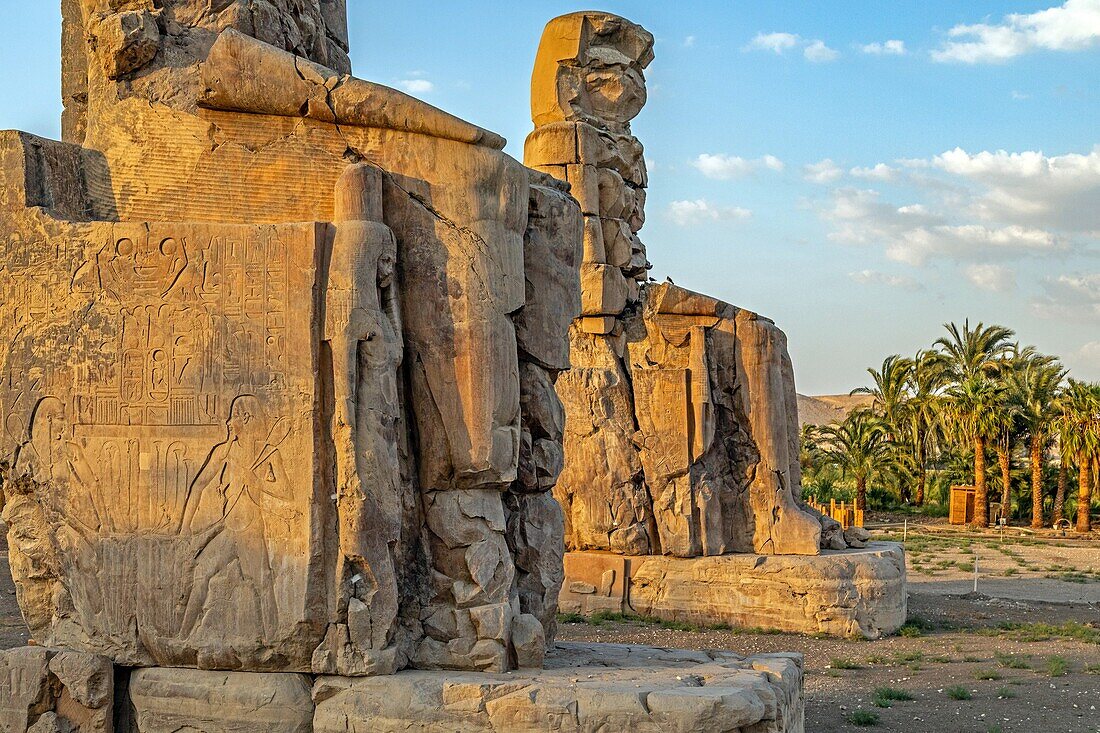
(843, 512)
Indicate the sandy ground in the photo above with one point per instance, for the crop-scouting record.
(1025, 647)
(1024, 679)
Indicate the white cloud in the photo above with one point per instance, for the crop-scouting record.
(779, 43)
(775, 42)
(1089, 353)
(825, 171)
(1074, 297)
(873, 277)
(1073, 26)
(994, 278)
(915, 234)
(722, 167)
(417, 86)
(880, 172)
(886, 48)
(1061, 192)
(687, 213)
(689, 41)
(819, 53)
(1019, 96)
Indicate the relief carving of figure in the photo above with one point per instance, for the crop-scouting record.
(363, 329)
(52, 456)
(241, 489)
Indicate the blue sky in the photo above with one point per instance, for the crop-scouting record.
(861, 172)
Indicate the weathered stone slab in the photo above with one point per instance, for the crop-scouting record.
(842, 593)
(161, 452)
(588, 688)
(171, 700)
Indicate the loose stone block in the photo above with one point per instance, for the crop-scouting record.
(55, 690)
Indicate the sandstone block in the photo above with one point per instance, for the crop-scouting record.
(552, 252)
(851, 593)
(536, 527)
(618, 243)
(126, 41)
(552, 145)
(595, 251)
(169, 700)
(601, 325)
(857, 537)
(599, 59)
(636, 219)
(613, 195)
(585, 688)
(529, 639)
(584, 184)
(46, 690)
(603, 290)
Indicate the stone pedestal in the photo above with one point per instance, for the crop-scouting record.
(601, 687)
(843, 593)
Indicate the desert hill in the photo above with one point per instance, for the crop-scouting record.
(825, 409)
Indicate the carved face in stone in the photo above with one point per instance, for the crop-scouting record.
(246, 423)
(386, 265)
(615, 86)
(43, 457)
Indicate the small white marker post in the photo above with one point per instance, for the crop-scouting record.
(975, 572)
(905, 531)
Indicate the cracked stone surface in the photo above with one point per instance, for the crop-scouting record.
(585, 688)
(682, 432)
(55, 690)
(848, 593)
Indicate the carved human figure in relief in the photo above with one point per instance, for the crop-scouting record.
(363, 329)
(52, 458)
(241, 489)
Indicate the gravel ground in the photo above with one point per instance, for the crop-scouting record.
(1027, 678)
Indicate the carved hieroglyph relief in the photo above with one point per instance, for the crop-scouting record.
(156, 396)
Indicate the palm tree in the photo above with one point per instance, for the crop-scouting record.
(1079, 430)
(925, 382)
(1005, 435)
(891, 396)
(970, 358)
(860, 448)
(1033, 386)
(1060, 494)
(973, 352)
(971, 410)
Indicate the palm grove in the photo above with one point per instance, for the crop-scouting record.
(977, 409)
